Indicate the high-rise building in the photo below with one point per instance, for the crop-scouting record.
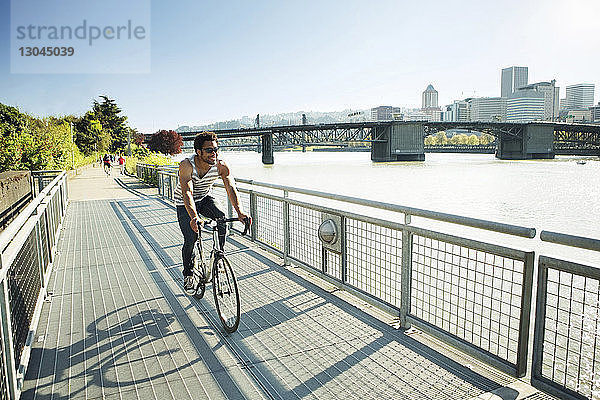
(580, 96)
(492, 109)
(457, 111)
(525, 106)
(384, 113)
(595, 113)
(429, 98)
(512, 79)
(579, 115)
(551, 97)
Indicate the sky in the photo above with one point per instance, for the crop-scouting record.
(214, 61)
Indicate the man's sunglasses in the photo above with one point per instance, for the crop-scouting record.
(210, 150)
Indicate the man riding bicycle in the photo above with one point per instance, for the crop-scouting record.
(106, 161)
(193, 197)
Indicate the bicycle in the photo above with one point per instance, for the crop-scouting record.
(224, 284)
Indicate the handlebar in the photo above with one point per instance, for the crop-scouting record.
(246, 222)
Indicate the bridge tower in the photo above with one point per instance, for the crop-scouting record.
(535, 142)
(400, 141)
(267, 149)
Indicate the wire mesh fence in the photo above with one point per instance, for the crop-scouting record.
(470, 293)
(374, 259)
(567, 335)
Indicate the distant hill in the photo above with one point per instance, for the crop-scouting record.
(293, 118)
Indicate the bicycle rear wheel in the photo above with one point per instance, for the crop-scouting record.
(227, 296)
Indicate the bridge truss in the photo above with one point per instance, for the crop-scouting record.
(339, 134)
(566, 136)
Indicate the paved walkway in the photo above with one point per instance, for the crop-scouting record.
(117, 324)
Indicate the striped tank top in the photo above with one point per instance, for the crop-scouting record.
(202, 186)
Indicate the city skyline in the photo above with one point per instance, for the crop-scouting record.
(221, 62)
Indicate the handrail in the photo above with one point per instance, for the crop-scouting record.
(15, 226)
(570, 240)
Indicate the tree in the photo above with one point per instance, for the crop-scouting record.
(107, 113)
(486, 139)
(89, 135)
(28, 143)
(136, 137)
(12, 131)
(473, 140)
(166, 142)
(440, 138)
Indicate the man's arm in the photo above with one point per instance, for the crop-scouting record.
(185, 181)
(229, 183)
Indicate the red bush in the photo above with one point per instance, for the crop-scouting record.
(166, 142)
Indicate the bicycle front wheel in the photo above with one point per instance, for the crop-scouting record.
(227, 296)
(199, 270)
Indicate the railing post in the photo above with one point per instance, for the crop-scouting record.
(173, 186)
(286, 229)
(170, 192)
(161, 184)
(344, 255)
(253, 215)
(39, 247)
(405, 274)
(7, 338)
(525, 314)
(40, 183)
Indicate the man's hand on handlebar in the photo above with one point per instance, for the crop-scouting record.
(196, 224)
(246, 220)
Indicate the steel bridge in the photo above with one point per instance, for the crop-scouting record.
(304, 135)
(403, 140)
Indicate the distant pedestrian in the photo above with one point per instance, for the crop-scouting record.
(122, 164)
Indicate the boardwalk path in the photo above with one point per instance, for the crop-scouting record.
(118, 325)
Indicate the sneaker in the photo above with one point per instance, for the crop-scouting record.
(189, 285)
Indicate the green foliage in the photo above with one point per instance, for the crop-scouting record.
(142, 155)
(486, 139)
(158, 159)
(66, 142)
(28, 143)
(107, 112)
(440, 139)
(135, 136)
(89, 135)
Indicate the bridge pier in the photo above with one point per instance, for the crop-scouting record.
(535, 142)
(267, 149)
(403, 142)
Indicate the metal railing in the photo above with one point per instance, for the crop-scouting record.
(473, 294)
(566, 349)
(147, 173)
(27, 248)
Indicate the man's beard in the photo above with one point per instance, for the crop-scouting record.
(210, 161)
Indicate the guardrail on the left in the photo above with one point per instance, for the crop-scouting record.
(27, 249)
